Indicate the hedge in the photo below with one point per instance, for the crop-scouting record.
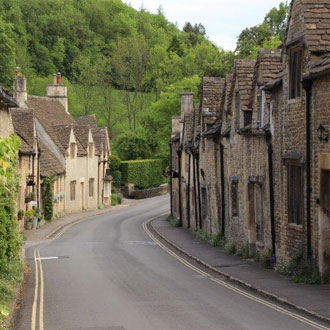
(144, 174)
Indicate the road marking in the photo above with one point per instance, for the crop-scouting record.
(47, 258)
(35, 299)
(42, 290)
(231, 287)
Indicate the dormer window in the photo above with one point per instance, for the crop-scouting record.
(91, 150)
(73, 150)
(247, 118)
(295, 67)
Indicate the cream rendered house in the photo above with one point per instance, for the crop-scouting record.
(71, 152)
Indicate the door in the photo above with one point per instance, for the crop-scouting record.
(324, 221)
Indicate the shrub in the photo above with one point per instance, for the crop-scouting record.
(48, 197)
(173, 221)
(116, 176)
(203, 236)
(144, 174)
(114, 199)
(266, 259)
(230, 248)
(114, 163)
(218, 240)
(29, 215)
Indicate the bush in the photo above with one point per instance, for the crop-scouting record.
(144, 174)
(48, 197)
(114, 163)
(218, 240)
(203, 236)
(116, 176)
(230, 248)
(173, 221)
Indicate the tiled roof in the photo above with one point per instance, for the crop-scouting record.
(320, 68)
(100, 137)
(197, 119)
(6, 98)
(269, 63)
(228, 92)
(49, 164)
(212, 93)
(82, 133)
(315, 18)
(63, 133)
(52, 115)
(244, 70)
(24, 127)
(214, 130)
(89, 120)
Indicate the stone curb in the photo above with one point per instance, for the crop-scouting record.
(240, 282)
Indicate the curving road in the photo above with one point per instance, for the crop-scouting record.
(107, 274)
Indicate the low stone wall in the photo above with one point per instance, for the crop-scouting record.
(153, 192)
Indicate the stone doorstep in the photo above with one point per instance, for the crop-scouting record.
(241, 282)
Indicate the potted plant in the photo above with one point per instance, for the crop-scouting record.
(29, 216)
(20, 215)
(29, 197)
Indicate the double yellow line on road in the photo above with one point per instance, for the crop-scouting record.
(38, 296)
(231, 287)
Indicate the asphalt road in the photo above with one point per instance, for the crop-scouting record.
(107, 274)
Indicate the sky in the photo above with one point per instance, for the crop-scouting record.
(223, 19)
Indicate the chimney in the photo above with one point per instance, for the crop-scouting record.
(187, 103)
(58, 90)
(20, 93)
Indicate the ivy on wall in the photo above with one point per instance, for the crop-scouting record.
(48, 197)
(10, 237)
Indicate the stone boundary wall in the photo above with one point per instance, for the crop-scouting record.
(153, 192)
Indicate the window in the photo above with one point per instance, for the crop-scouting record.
(247, 118)
(295, 58)
(91, 150)
(73, 190)
(234, 198)
(106, 189)
(295, 194)
(73, 150)
(91, 187)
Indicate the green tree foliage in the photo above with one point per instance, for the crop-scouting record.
(157, 122)
(269, 33)
(114, 164)
(144, 174)
(10, 236)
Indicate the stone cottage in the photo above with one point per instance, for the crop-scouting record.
(263, 156)
(28, 159)
(301, 116)
(6, 102)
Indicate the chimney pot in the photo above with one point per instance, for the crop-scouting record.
(59, 78)
(18, 71)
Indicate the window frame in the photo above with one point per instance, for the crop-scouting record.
(295, 194)
(295, 72)
(91, 184)
(73, 188)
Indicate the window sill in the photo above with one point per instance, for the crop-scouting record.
(296, 227)
(294, 101)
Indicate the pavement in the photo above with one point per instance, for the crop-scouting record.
(312, 299)
(109, 273)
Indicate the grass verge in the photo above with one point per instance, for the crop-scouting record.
(10, 281)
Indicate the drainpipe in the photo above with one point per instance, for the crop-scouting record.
(188, 191)
(171, 178)
(195, 188)
(199, 194)
(98, 183)
(308, 88)
(103, 182)
(223, 192)
(271, 190)
(38, 180)
(179, 152)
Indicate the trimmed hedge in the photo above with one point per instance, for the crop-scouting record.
(144, 174)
